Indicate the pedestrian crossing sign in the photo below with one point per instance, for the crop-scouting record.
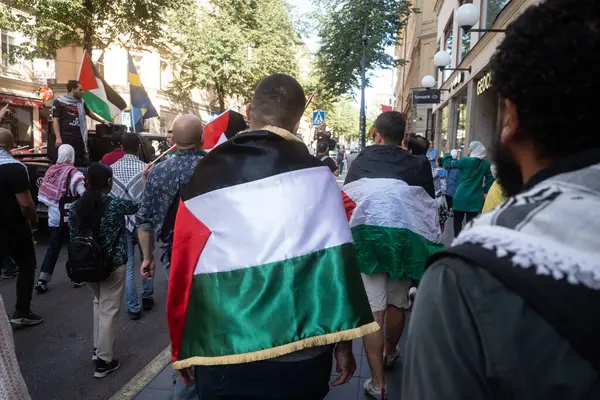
(318, 118)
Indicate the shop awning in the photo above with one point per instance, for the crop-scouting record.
(20, 98)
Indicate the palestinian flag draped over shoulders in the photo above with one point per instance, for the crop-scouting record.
(263, 262)
(390, 203)
(97, 94)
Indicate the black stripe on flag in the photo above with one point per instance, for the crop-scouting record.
(246, 158)
(392, 162)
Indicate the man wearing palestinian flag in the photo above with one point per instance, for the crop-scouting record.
(264, 282)
(390, 203)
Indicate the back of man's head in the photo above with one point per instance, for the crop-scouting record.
(322, 147)
(6, 139)
(279, 101)
(188, 132)
(391, 125)
(555, 97)
(417, 145)
(130, 143)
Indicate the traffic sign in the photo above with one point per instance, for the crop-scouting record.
(318, 118)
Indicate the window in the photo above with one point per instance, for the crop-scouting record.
(8, 45)
(137, 62)
(461, 126)
(448, 45)
(165, 75)
(493, 8)
(444, 127)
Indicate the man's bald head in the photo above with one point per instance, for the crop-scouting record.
(6, 139)
(188, 132)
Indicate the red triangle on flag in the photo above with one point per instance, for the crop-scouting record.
(349, 205)
(214, 129)
(189, 240)
(87, 74)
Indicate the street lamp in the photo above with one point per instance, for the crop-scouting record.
(442, 60)
(468, 15)
(428, 83)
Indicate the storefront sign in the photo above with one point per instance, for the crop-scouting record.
(460, 78)
(44, 69)
(21, 101)
(430, 96)
(484, 84)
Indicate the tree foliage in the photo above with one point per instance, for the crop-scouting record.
(93, 24)
(230, 46)
(343, 118)
(341, 27)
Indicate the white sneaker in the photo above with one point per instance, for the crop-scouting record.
(390, 360)
(412, 293)
(373, 390)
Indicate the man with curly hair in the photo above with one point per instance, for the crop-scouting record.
(511, 310)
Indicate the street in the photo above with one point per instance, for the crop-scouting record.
(55, 356)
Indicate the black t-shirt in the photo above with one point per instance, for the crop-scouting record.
(13, 180)
(328, 161)
(68, 118)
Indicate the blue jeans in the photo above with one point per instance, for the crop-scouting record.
(52, 254)
(131, 297)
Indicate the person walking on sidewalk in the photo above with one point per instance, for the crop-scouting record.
(453, 180)
(390, 201)
(127, 184)
(99, 212)
(475, 180)
(62, 180)
(17, 214)
(511, 310)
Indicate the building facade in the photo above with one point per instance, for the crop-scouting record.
(417, 48)
(470, 108)
(20, 90)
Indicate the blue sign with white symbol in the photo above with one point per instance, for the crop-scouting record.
(318, 118)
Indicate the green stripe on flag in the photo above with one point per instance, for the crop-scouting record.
(271, 305)
(97, 105)
(399, 252)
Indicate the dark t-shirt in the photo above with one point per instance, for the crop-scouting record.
(13, 180)
(328, 161)
(68, 118)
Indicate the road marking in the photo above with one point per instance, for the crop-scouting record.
(144, 377)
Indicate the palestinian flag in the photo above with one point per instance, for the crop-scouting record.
(390, 203)
(223, 128)
(263, 262)
(97, 94)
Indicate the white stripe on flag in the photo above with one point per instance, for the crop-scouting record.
(272, 219)
(392, 203)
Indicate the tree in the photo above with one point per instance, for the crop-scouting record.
(341, 27)
(93, 24)
(343, 119)
(230, 46)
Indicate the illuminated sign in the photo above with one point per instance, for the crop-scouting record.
(484, 84)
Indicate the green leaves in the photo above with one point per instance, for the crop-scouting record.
(52, 24)
(232, 45)
(341, 28)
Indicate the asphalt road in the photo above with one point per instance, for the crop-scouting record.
(55, 356)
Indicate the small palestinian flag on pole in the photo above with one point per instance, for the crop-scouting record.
(263, 262)
(223, 128)
(97, 94)
(390, 203)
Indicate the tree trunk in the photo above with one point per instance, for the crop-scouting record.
(88, 32)
(221, 95)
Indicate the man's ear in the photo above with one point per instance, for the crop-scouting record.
(510, 122)
(248, 111)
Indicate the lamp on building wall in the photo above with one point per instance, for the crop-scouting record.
(468, 15)
(428, 83)
(442, 60)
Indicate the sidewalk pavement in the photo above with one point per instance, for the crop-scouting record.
(161, 387)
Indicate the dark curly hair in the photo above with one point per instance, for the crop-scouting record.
(548, 66)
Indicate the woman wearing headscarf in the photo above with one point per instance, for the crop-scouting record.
(475, 180)
(60, 181)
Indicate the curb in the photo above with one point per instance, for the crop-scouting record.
(144, 377)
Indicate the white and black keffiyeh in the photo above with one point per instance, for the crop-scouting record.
(544, 244)
(127, 183)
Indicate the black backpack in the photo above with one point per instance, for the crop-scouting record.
(86, 261)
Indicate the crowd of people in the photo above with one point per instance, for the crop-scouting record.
(273, 270)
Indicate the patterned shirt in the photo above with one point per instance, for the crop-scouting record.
(127, 182)
(164, 182)
(112, 227)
